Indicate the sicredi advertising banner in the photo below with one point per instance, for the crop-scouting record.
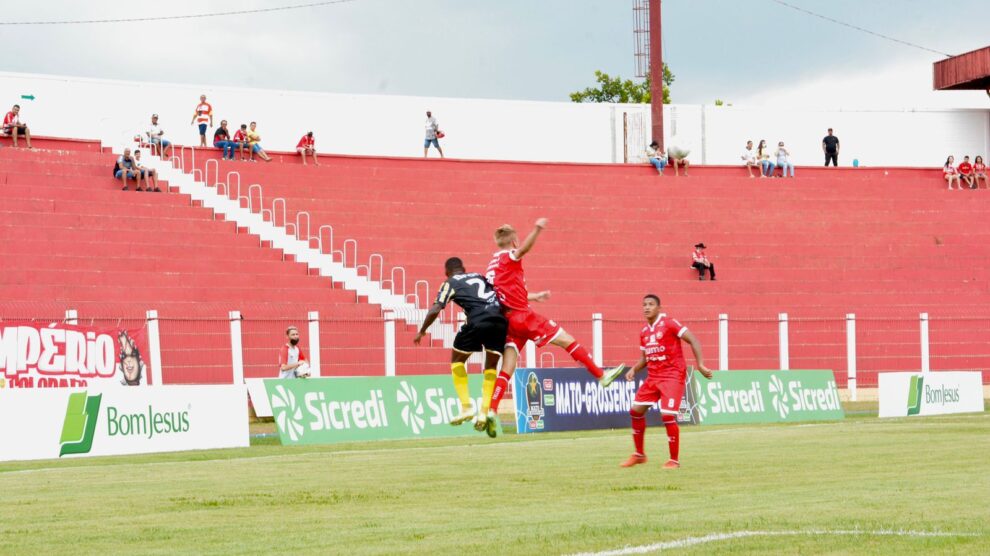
(56, 423)
(941, 393)
(58, 355)
(565, 399)
(328, 410)
(732, 397)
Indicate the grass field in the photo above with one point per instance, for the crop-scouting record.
(850, 487)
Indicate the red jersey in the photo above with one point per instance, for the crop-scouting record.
(505, 272)
(240, 136)
(10, 120)
(203, 112)
(306, 142)
(965, 168)
(979, 168)
(661, 345)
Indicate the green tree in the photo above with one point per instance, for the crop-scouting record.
(616, 89)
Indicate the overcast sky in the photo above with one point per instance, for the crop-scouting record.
(745, 52)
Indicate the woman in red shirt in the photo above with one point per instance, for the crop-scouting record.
(950, 173)
(980, 172)
(966, 172)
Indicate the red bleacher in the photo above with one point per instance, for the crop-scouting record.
(884, 244)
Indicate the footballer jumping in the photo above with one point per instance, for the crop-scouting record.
(660, 342)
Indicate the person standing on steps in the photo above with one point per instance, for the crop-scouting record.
(433, 134)
(830, 146)
(202, 116)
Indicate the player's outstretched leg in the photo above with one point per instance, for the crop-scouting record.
(673, 440)
(501, 385)
(458, 371)
(580, 354)
(638, 414)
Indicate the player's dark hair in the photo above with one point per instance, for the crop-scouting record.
(652, 296)
(453, 263)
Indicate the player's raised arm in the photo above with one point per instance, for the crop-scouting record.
(698, 357)
(530, 240)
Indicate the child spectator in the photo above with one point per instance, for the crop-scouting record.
(950, 173)
(202, 116)
(784, 160)
(221, 140)
(307, 145)
(13, 126)
(980, 172)
(156, 138)
(254, 139)
(966, 173)
(763, 155)
(656, 157)
(749, 158)
(241, 140)
(146, 173)
(125, 169)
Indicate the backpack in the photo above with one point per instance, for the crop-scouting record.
(116, 168)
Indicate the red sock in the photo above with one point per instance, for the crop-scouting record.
(582, 356)
(673, 435)
(639, 431)
(501, 385)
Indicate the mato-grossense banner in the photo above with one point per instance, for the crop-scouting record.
(766, 397)
(940, 393)
(42, 423)
(58, 355)
(327, 410)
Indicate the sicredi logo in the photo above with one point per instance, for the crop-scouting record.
(79, 426)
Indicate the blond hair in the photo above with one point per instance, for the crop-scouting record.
(290, 329)
(503, 235)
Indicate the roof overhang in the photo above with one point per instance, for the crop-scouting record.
(969, 71)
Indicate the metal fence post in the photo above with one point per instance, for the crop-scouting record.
(389, 343)
(71, 317)
(155, 346)
(925, 361)
(314, 344)
(236, 348)
(530, 355)
(596, 339)
(851, 355)
(785, 354)
(723, 342)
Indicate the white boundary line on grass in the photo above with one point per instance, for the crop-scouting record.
(716, 537)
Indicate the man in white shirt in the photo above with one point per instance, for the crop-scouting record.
(150, 175)
(657, 157)
(155, 138)
(749, 159)
(433, 134)
(291, 358)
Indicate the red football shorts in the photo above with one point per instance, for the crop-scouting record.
(667, 391)
(528, 325)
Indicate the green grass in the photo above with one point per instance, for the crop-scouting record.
(539, 494)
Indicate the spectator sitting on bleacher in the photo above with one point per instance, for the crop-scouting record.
(950, 173)
(763, 155)
(657, 157)
(155, 138)
(241, 140)
(980, 172)
(966, 173)
(13, 126)
(677, 157)
(307, 145)
(254, 139)
(784, 160)
(125, 169)
(221, 140)
(701, 263)
(749, 158)
(146, 173)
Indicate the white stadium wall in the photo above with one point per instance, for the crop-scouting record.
(114, 111)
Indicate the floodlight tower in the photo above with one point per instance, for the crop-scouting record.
(649, 57)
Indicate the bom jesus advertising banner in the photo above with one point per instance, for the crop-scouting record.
(58, 355)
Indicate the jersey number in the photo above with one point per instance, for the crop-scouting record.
(481, 288)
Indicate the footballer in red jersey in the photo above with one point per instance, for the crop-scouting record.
(663, 358)
(505, 272)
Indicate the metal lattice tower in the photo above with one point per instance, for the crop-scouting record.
(641, 36)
